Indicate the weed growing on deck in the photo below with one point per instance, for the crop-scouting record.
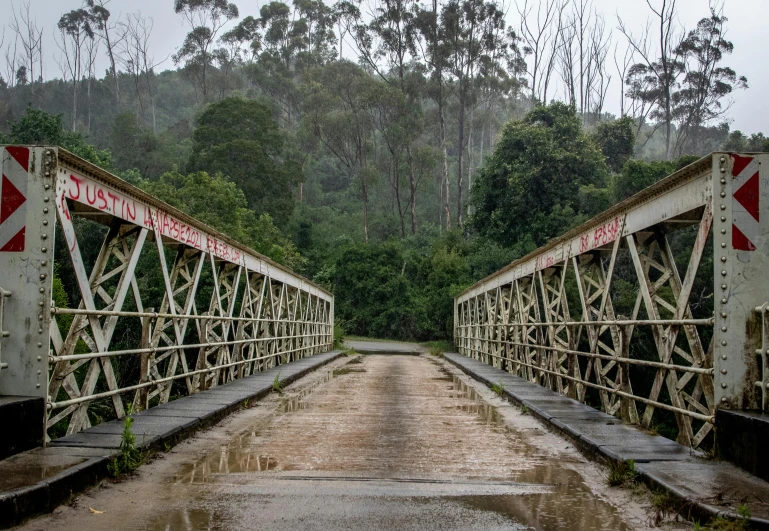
(498, 388)
(277, 385)
(130, 457)
(524, 410)
(622, 473)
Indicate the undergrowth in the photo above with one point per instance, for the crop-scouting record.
(498, 388)
(131, 457)
(722, 524)
(622, 473)
(277, 385)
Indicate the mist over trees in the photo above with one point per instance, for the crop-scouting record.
(392, 150)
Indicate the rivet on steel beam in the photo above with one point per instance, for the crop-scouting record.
(723, 399)
(37, 385)
(723, 259)
(41, 304)
(723, 159)
(39, 372)
(39, 330)
(44, 262)
(723, 314)
(44, 249)
(723, 181)
(723, 207)
(723, 170)
(723, 385)
(723, 301)
(44, 236)
(723, 273)
(42, 290)
(42, 276)
(723, 231)
(39, 358)
(723, 343)
(39, 344)
(723, 218)
(723, 371)
(47, 174)
(723, 286)
(46, 199)
(45, 222)
(723, 329)
(723, 194)
(45, 210)
(47, 187)
(723, 357)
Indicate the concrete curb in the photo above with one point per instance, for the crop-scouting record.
(533, 397)
(165, 426)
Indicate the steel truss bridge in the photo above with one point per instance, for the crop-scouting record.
(658, 306)
(692, 250)
(222, 311)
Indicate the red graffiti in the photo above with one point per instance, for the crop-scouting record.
(604, 234)
(544, 262)
(101, 198)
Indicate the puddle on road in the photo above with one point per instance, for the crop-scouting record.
(569, 505)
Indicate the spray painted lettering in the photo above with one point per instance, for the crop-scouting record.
(604, 234)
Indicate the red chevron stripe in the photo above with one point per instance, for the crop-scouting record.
(10, 199)
(747, 196)
(740, 163)
(21, 154)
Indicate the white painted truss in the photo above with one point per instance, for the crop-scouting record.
(224, 312)
(550, 317)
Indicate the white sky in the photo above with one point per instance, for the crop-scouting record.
(746, 29)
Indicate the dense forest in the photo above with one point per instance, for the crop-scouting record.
(391, 151)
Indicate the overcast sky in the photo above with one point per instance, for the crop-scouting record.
(746, 29)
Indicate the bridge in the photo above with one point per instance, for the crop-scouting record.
(634, 346)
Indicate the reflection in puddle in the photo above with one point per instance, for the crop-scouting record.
(376, 423)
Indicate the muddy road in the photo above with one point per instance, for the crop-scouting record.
(369, 442)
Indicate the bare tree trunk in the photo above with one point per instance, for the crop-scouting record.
(412, 192)
(460, 150)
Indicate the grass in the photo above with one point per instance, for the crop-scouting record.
(524, 410)
(663, 506)
(498, 388)
(722, 524)
(277, 386)
(622, 473)
(130, 457)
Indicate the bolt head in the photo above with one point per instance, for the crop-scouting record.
(44, 249)
(723, 170)
(723, 181)
(44, 236)
(723, 357)
(723, 301)
(723, 259)
(723, 194)
(723, 343)
(723, 371)
(723, 329)
(723, 218)
(723, 400)
(723, 207)
(723, 273)
(46, 199)
(723, 385)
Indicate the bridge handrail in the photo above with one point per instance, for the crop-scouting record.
(519, 317)
(260, 314)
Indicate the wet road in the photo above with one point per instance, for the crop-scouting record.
(376, 442)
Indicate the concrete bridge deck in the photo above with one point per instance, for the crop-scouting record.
(393, 441)
(368, 442)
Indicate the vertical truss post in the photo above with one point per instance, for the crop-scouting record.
(740, 265)
(27, 220)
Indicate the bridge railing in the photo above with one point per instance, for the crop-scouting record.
(165, 306)
(646, 310)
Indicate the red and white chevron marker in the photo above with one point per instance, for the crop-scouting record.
(745, 203)
(13, 198)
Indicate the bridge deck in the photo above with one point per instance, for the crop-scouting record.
(38, 480)
(372, 442)
(710, 486)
